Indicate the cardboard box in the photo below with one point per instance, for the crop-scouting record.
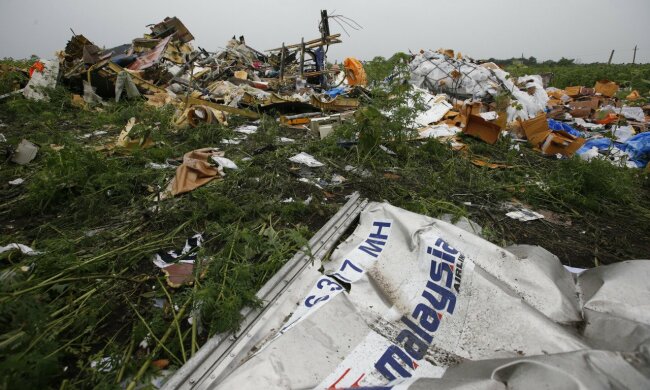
(557, 112)
(563, 143)
(591, 103)
(586, 91)
(606, 88)
(557, 94)
(536, 129)
(573, 91)
(580, 112)
(482, 129)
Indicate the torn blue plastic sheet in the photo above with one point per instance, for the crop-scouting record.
(638, 147)
(557, 125)
(334, 92)
(603, 144)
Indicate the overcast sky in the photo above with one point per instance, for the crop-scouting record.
(547, 29)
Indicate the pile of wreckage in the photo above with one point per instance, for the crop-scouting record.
(484, 101)
(297, 84)
(164, 68)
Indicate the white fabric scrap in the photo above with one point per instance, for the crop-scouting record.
(306, 159)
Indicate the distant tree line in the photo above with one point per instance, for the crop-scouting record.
(531, 61)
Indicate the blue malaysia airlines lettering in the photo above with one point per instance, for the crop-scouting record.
(353, 267)
(439, 296)
(367, 252)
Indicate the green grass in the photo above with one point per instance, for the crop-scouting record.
(90, 296)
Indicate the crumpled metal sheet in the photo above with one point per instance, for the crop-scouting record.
(417, 302)
(40, 82)
(150, 57)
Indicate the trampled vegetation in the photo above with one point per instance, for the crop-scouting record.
(93, 311)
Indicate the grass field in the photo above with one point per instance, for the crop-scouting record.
(90, 296)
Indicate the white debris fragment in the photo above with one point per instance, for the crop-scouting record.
(589, 154)
(154, 165)
(634, 113)
(287, 200)
(436, 106)
(591, 126)
(17, 182)
(622, 133)
(41, 81)
(575, 270)
(104, 364)
(489, 116)
(231, 141)
(23, 248)
(144, 344)
(361, 172)
(305, 180)
(439, 131)
(225, 162)
(385, 149)
(524, 215)
(306, 159)
(247, 129)
(285, 140)
(94, 134)
(337, 179)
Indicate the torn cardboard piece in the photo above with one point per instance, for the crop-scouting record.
(606, 88)
(482, 129)
(550, 142)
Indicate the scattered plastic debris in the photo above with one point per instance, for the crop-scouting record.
(306, 159)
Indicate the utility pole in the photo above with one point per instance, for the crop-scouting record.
(610, 58)
(634, 56)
